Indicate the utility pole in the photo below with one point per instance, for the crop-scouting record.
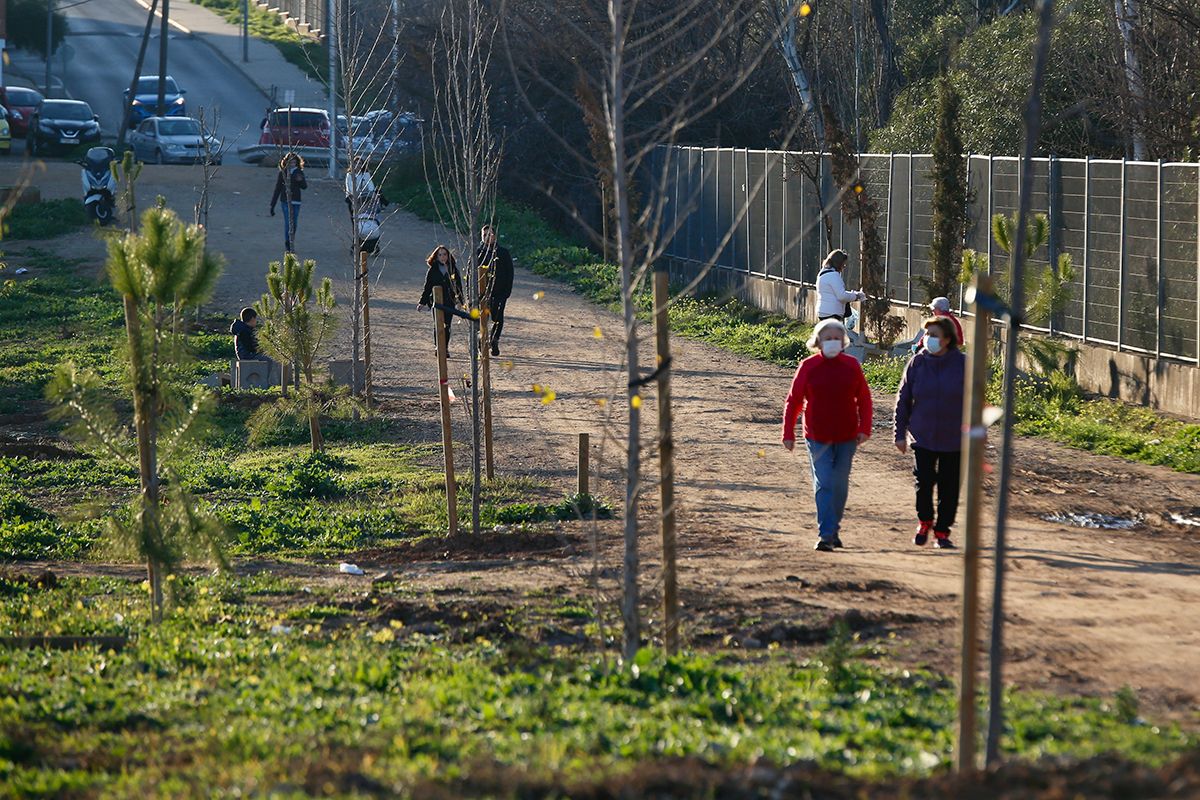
(395, 95)
(333, 25)
(137, 76)
(49, 42)
(162, 58)
(245, 31)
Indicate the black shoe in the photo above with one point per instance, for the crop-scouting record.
(824, 546)
(943, 543)
(495, 349)
(837, 542)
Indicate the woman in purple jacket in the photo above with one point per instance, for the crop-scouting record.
(929, 410)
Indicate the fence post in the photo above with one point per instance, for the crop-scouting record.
(991, 209)
(1158, 237)
(887, 238)
(1121, 262)
(783, 226)
(1052, 215)
(963, 242)
(582, 482)
(1198, 265)
(908, 262)
(439, 330)
(1087, 237)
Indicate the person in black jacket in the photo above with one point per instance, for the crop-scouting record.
(245, 336)
(289, 183)
(443, 272)
(500, 281)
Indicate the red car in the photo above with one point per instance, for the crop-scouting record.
(296, 127)
(21, 103)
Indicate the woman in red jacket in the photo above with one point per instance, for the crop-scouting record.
(831, 392)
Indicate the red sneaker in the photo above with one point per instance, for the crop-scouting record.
(942, 540)
(923, 533)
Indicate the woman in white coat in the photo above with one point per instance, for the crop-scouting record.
(832, 297)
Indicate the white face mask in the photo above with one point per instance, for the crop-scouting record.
(933, 344)
(831, 347)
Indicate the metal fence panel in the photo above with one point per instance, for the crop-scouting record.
(756, 204)
(799, 219)
(773, 227)
(1129, 228)
(1180, 259)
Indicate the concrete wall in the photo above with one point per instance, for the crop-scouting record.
(1163, 385)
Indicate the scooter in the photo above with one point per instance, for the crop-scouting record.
(99, 185)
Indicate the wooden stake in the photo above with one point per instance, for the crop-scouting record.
(581, 482)
(974, 440)
(439, 330)
(666, 462)
(485, 349)
(365, 277)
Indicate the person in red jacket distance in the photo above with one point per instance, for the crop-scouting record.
(831, 393)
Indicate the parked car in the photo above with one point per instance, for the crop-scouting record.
(172, 140)
(296, 127)
(21, 103)
(145, 100)
(5, 134)
(58, 124)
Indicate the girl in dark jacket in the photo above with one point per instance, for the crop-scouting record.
(929, 408)
(443, 272)
(289, 183)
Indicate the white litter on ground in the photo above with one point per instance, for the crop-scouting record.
(350, 569)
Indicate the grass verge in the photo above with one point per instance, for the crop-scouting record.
(1051, 407)
(43, 220)
(368, 489)
(305, 52)
(285, 688)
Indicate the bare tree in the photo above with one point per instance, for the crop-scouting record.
(645, 70)
(365, 72)
(465, 156)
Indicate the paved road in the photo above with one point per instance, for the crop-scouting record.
(106, 34)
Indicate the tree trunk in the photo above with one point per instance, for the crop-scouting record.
(137, 74)
(616, 123)
(147, 466)
(889, 77)
(1127, 20)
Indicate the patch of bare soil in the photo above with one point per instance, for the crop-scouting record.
(683, 779)
(504, 545)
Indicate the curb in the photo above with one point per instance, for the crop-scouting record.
(203, 37)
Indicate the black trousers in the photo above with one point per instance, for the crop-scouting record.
(932, 468)
(496, 310)
(447, 318)
(838, 317)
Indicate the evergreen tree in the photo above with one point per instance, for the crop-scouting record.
(949, 203)
(159, 273)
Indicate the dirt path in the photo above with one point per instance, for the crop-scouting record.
(1089, 610)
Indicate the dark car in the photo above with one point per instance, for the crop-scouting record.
(21, 103)
(145, 100)
(296, 127)
(59, 124)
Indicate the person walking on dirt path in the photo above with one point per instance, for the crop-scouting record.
(443, 272)
(289, 183)
(831, 393)
(499, 265)
(929, 406)
(940, 306)
(833, 300)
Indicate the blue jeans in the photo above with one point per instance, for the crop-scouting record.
(291, 213)
(831, 482)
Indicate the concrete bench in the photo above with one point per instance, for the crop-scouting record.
(256, 374)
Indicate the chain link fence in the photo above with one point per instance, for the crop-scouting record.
(1131, 229)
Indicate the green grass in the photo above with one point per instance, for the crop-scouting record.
(1098, 425)
(43, 220)
(368, 489)
(342, 697)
